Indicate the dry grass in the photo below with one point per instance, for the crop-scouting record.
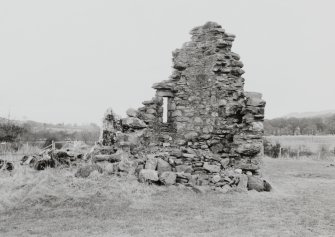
(313, 143)
(306, 147)
(55, 203)
(8, 154)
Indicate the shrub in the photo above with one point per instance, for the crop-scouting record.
(271, 150)
(10, 132)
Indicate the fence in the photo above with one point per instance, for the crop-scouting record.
(296, 147)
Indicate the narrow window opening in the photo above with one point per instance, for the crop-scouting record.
(165, 109)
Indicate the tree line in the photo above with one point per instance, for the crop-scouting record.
(11, 132)
(300, 126)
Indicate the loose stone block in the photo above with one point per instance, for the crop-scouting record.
(168, 178)
(151, 163)
(146, 175)
(163, 166)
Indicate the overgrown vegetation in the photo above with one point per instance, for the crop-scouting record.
(10, 132)
(32, 132)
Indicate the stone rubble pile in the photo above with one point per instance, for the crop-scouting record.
(6, 165)
(51, 158)
(213, 133)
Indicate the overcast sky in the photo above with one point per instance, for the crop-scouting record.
(68, 61)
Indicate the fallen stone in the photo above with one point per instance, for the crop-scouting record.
(267, 186)
(125, 165)
(163, 166)
(168, 178)
(193, 179)
(117, 157)
(44, 163)
(243, 182)
(61, 157)
(6, 165)
(9, 166)
(151, 163)
(148, 175)
(85, 171)
(258, 184)
(183, 178)
(109, 168)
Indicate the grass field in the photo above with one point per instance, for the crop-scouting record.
(314, 143)
(55, 203)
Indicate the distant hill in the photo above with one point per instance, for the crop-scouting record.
(309, 123)
(39, 131)
(321, 114)
(39, 126)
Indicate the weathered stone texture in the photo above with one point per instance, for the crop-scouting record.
(212, 126)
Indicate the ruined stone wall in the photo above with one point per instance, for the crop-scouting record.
(208, 107)
(213, 126)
